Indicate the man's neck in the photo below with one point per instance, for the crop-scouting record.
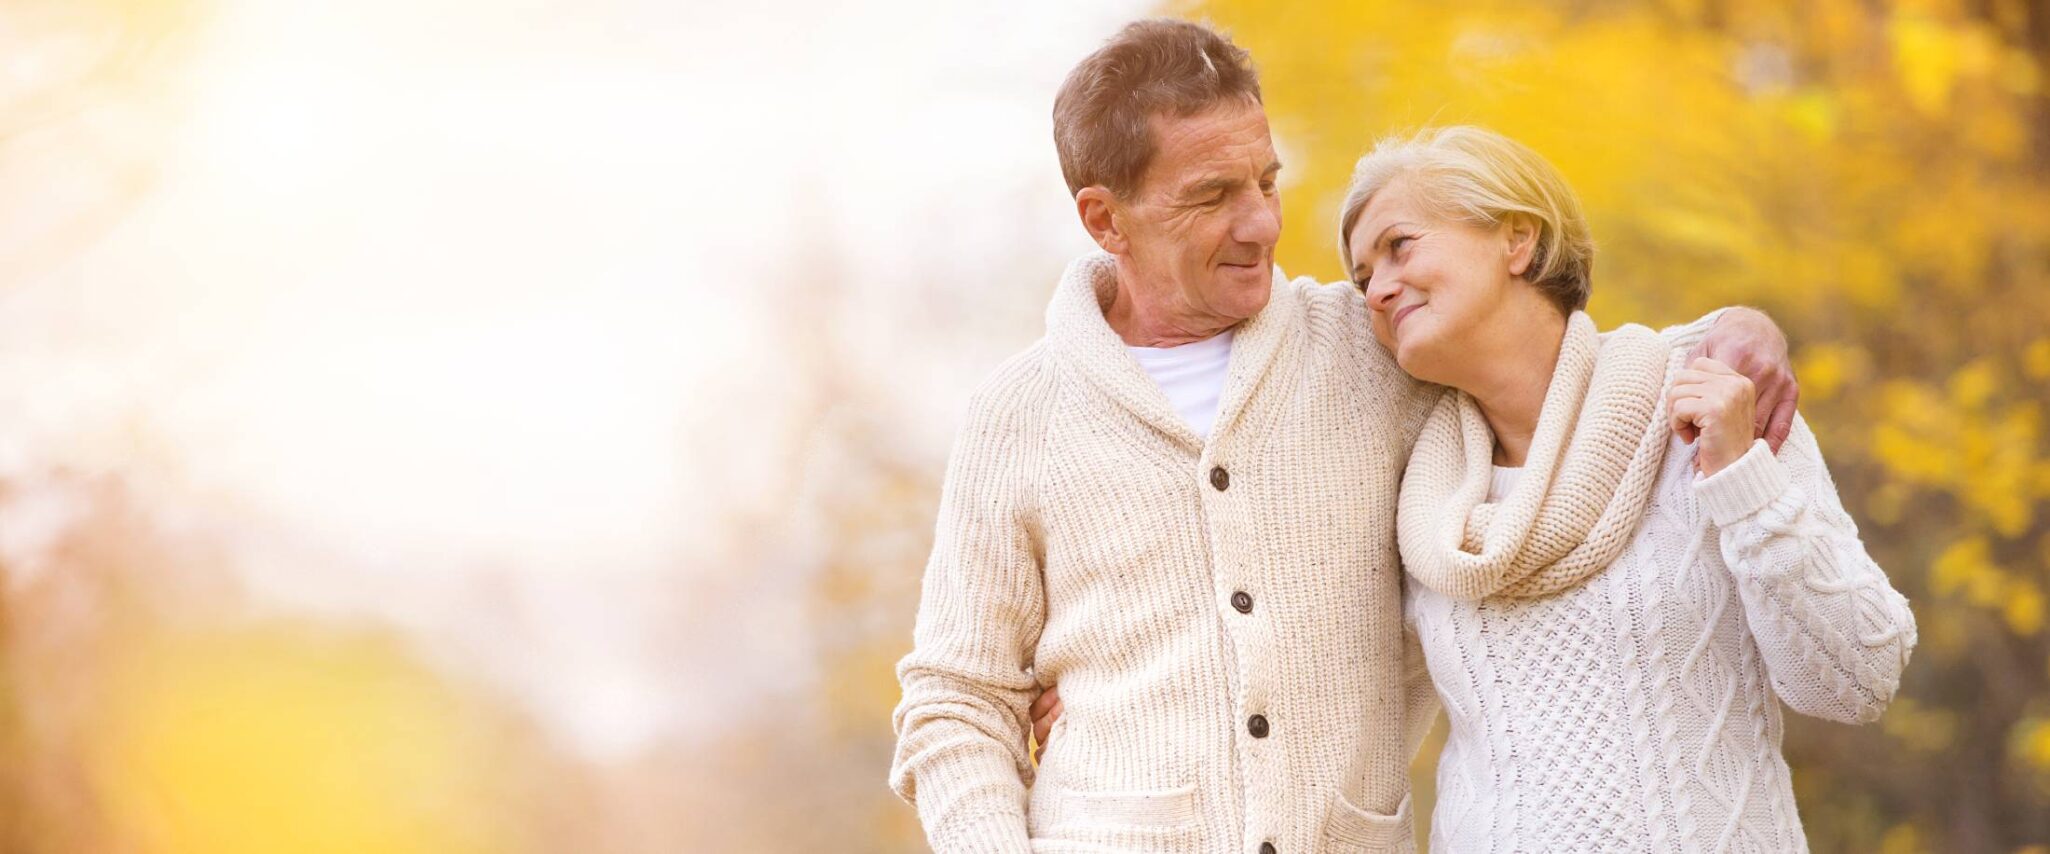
(1141, 324)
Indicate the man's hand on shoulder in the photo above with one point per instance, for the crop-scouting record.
(1749, 342)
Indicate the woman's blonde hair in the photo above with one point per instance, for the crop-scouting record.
(1480, 177)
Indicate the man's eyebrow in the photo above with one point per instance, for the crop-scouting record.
(1208, 186)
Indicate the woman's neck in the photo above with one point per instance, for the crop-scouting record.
(1511, 375)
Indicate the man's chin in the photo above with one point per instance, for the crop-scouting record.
(1252, 306)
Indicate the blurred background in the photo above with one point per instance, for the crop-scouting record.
(515, 427)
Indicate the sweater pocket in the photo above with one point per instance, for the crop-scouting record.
(1351, 829)
(1122, 820)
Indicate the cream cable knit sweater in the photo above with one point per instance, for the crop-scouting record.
(1640, 711)
(1223, 618)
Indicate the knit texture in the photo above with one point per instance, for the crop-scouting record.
(1639, 710)
(1601, 434)
(1087, 536)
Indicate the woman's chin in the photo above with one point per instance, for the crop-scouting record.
(1418, 362)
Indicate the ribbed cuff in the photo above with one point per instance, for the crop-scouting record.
(971, 801)
(1744, 487)
(990, 833)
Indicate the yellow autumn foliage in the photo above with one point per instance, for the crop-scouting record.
(1876, 175)
(285, 739)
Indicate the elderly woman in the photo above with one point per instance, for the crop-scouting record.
(1613, 584)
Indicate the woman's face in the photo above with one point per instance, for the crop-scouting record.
(1437, 290)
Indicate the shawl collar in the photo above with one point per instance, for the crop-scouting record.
(1081, 338)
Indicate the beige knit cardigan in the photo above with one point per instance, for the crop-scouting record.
(1223, 617)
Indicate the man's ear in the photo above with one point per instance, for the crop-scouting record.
(1098, 207)
(1522, 234)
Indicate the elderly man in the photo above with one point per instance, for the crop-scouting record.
(1179, 505)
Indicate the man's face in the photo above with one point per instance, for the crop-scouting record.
(1204, 220)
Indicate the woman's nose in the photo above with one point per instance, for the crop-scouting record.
(1382, 291)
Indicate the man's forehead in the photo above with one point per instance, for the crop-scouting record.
(1204, 149)
(1222, 125)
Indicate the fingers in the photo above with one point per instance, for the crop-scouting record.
(1042, 728)
(1046, 709)
(1781, 424)
(1762, 414)
(1711, 381)
(1690, 376)
(1686, 412)
(1699, 393)
(1773, 418)
(1689, 387)
(1047, 699)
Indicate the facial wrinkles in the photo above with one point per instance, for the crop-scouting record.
(1386, 219)
(1198, 234)
(1235, 149)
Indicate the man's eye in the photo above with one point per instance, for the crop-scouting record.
(1267, 187)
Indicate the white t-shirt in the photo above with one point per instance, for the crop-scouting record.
(1192, 375)
(1504, 480)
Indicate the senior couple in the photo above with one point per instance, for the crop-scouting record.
(1258, 531)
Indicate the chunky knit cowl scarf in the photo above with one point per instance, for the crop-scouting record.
(1600, 440)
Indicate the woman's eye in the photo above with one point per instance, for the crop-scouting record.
(1397, 244)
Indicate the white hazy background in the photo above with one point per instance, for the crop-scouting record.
(549, 333)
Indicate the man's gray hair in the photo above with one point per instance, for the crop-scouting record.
(1102, 118)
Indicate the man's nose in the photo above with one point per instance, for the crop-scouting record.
(1258, 220)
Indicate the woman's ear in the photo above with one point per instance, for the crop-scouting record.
(1522, 234)
(1098, 208)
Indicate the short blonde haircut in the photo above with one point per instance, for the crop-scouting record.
(1480, 177)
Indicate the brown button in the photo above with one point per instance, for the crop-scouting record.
(1266, 848)
(1219, 479)
(1242, 602)
(1257, 725)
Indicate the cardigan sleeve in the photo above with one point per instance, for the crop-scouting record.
(961, 755)
(1419, 694)
(1686, 336)
(1834, 633)
(1683, 336)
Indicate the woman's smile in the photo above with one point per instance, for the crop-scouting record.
(1395, 321)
